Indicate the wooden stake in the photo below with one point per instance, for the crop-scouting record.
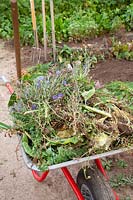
(44, 30)
(14, 8)
(53, 29)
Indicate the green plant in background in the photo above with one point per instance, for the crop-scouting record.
(128, 17)
(122, 50)
(121, 180)
(5, 20)
(83, 56)
(83, 25)
(116, 24)
(107, 164)
(127, 198)
(122, 164)
(6, 29)
(123, 91)
(65, 53)
(74, 20)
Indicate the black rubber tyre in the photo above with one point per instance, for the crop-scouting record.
(93, 185)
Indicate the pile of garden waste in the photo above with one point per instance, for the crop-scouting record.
(61, 115)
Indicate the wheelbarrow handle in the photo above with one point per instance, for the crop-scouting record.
(9, 88)
(7, 84)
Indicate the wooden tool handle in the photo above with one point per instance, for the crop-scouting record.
(53, 28)
(14, 8)
(33, 14)
(44, 29)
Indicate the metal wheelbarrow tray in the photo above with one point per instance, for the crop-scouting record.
(32, 166)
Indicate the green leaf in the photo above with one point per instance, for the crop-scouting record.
(12, 100)
(88, 94)
(26, 146)
(4, 126)
(131, 108)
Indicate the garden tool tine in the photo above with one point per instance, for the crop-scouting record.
(33, 54)
(44, 30)
(36, 55)
(36, 51)
(39, 55)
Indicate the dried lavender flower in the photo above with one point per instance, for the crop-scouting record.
(54, 97)
(58, 72)
(64, 83)
(39, 80)
(58, 96)
(34, 107)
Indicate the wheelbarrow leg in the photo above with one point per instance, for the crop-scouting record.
(100, 167)
(39, 178)
(72, 183)
(68, 177)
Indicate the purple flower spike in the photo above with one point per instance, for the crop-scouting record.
(58, 72)
(38, 85)
(34, 107)
(60, 95)
(39, 80)
(64, 83)
(54, 97)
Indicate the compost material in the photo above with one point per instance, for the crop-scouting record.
(61, 114)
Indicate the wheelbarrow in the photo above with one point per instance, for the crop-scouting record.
(92, 183)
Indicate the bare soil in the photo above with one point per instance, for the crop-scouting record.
(112, 70)
(16, 181)
(117, 171)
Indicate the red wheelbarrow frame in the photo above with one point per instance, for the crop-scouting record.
(65, 171)
(70, 179)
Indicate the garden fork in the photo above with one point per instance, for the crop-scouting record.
(52, 27)
(36, 51)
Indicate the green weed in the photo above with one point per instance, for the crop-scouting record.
(122, 50)
(121, 180)
(127, 198)
(107, 164)
(122, 164)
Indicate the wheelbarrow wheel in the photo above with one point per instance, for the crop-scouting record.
(93, 185)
